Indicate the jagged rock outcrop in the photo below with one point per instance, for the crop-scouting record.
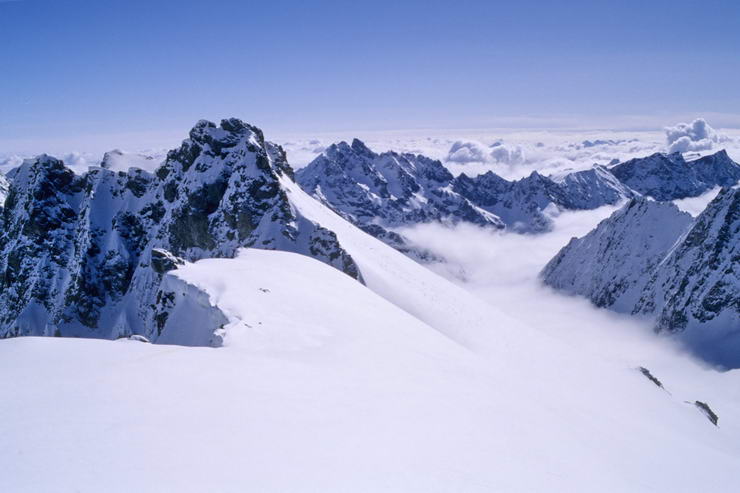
(390, 188)
(86, 255)
(381, 191)
(670, 176)
(652, 260)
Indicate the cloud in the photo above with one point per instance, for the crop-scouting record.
(509, 155)
(472, 151)
(9, 162)
(502, 268)
(695, 136)
(468, 152)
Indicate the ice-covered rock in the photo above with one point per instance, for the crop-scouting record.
(653, 260)
(84, 255)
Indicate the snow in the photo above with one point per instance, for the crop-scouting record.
(357, 396)
(117, 160)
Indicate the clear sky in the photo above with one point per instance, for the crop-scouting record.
(83, 68)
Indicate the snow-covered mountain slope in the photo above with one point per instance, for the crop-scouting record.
(670, 176)
(652, 259)
(381, 191)
(321, 377)
(610, 265)
(84, 255)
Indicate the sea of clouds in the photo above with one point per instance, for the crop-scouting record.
(515, 153)
(511, 153)
(503, 269)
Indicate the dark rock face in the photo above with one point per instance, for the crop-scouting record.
(85, 255)
(163, 261)
(647, 374)
(707, 411)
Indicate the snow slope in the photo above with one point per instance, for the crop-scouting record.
(653, 260)
(322, 385)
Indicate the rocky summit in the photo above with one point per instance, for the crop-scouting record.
(85, 255)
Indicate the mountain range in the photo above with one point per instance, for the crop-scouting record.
(88, 255)
(380, 192)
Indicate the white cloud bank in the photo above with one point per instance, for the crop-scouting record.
(472, 151)
(695, 136)
(467, 152)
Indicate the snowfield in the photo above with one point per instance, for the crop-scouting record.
(323, 385)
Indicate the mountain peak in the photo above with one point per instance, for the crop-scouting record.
(84, 245)
(359, 147)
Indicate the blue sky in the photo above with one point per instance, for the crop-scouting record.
(84, 68)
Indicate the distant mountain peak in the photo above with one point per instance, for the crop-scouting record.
(359, 147)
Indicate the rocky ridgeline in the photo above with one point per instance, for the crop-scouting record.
(380, 192)
(86, 255)
(652, 260)
(388, 190)
(670, 176)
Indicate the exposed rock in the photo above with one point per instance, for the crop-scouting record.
(378, 192)
(163, 261)
(85, 255)
(704, 408)
(650, 376)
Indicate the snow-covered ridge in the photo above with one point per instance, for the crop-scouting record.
(84, 255)
(318, 371)
(650, 259)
